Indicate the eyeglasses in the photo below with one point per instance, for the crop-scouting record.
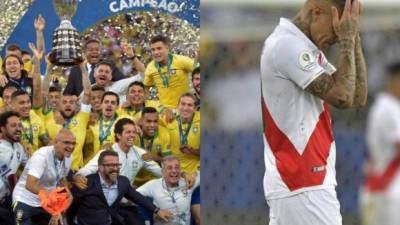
(118, 165)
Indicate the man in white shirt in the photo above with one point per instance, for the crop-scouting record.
(298, 83)
(170, 192)
(131, 161)
(12, 155)
(45, 170)
(380, 198)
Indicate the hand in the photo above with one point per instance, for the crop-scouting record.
(93, 118)
(55, 220)
(3, 80)
(190, 179)
(169, 115)
(84, 62)
(37, 55)
(185, 149)
(348, 25)
(164, 214)
(127, 48)
(107, 146)
(149, 156)
(58, 118)
(39, 23)
(80, 182)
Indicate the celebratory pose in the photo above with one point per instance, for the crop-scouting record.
(298, 83)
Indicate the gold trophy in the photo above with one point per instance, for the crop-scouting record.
(67, 46)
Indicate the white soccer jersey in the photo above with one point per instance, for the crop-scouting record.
(47, 168)
(300, 151)
(11, 156)
(177, 200)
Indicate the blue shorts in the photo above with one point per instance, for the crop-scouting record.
(196, 197)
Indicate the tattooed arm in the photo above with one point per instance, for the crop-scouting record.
(339, 90)
(361, 92)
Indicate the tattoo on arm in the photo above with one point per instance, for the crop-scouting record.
(361, 92)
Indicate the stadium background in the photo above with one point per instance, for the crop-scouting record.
(232, 35)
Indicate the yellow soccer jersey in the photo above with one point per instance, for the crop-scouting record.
(136, 115)
(178, 82)
(161, 144)
(34, 130)
(1, 103)
(77, 125)
(189, 163)
(100, 135)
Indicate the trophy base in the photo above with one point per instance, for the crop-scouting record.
(67, 47)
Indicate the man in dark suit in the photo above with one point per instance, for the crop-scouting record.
(92, 54)
(98, 204)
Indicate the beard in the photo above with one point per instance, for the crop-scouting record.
(67, 116)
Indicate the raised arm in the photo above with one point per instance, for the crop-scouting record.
(46, 83)
(128, 50)
(39, 24)
(85, 83)
(37, 94)
(360, 96)
(339, 90)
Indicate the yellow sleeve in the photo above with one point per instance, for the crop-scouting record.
(148, 78)
(166, 148)
(186, 63)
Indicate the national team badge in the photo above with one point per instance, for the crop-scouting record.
(158, 147)
(135, 164)
(35, 128)
(195, 129)
(173, 71)
(18, 155)
(307, 61)
(28, 90)
(74, 122)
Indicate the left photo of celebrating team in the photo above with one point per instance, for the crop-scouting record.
(100, 112)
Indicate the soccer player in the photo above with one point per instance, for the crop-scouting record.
(380, 197)
(168, 72)
(298, 83)
(185, 134)
(196, 86)
(155, 140)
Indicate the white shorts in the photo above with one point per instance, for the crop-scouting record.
(316, 207)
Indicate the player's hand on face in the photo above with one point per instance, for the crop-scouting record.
(347, 26)
(3, 80)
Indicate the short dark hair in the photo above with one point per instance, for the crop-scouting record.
(149, 110)
(104, 62)
(105, 153)
(136, 83)
(98, 88)
(196, 70)
(8, 86)
(110, 93)
(5, 115)
(18, 92)
(13, 47)
(159, 38)
(119, 126)
(54, 89)
(25, 52)
(91, 40)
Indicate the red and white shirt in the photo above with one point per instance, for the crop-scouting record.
(300, 150)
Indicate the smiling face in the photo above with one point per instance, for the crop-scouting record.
(159, 51)
(150, 124)
(12, 130)
(22, 105)
(13, 67)
(136, 95)
(95, 100)
(171, 172)
(109, 168)
(128, 135)
(65, 143)
(92, 52)
(103, 75)
(186, 108)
